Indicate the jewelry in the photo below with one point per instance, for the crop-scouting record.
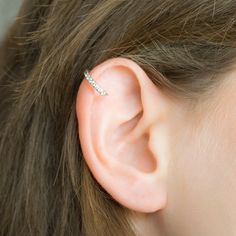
(94, 84)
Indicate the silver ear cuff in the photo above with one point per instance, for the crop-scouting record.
(94, 84)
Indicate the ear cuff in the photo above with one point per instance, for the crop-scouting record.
(94, 84)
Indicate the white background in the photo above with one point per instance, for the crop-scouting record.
(8, 11)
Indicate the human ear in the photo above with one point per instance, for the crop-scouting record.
(123, 136)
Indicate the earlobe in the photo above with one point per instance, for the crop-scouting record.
(123, 136)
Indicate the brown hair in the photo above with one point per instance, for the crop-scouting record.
(46, 187)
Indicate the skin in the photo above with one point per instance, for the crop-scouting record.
(172, 165)
(201, 185)
(202, 172)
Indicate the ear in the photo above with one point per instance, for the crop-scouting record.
(123, 135)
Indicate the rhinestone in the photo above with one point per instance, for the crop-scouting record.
(94, 84)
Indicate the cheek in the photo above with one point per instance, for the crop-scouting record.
(202, 184)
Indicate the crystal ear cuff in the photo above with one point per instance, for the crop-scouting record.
(101, 91)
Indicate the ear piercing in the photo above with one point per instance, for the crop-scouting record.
(94, 84)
